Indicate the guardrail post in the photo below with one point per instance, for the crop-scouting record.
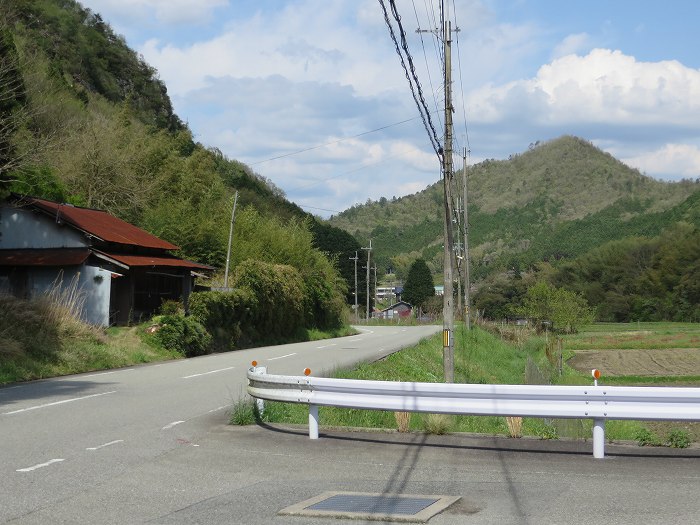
(260, 403)
(599, 438)
(313, 421)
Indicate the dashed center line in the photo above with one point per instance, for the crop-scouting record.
(171, 425)
(281, 357)
(106, 444)
(40, 465)
(57, 403)
(210, 372)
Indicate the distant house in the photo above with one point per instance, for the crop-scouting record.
(400, 309)
(123, 272)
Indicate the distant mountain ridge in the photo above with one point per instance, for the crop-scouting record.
(556, 200)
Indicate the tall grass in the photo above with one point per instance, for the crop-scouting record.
(480, 357)
(43, 337)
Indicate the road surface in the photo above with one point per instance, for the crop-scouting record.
(66, 436)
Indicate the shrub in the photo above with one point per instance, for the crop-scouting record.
(171, 307)
(184, 335)
(646, 438)
(678, 439)
(227, 316)
(438, 424)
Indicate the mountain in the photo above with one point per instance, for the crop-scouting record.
(85, 120)
(555, 201)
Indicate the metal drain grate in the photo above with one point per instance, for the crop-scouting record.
(374, 504)
(358, 505)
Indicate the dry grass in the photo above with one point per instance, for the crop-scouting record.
(403, 421)
(437, 424)
(515, 426)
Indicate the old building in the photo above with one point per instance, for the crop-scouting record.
(122, 273)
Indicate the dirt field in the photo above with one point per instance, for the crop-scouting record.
(659, 362)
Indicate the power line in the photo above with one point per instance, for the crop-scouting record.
(461, 85)
(422, 107)
(332, 142)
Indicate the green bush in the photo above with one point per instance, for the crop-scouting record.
(183, 334)
(227, 316)
(678, 439)
(646, 438)
(279, 293)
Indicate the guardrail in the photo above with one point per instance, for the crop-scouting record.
(595, 402)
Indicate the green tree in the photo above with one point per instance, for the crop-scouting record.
(565, 309)
(419, 284)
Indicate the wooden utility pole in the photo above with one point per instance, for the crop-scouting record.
(448, 323)
(230, 237)
(467, 312)
(357, 313)
(369, 250)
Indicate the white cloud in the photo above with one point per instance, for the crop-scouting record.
(165, 11)
(604, 87)
(572, 44)
(670, 162)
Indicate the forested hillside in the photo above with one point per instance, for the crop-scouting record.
(559, 201)
(84, 120)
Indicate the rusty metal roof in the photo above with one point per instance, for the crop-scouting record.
(44, 257)
(100, 224)
(149, 260)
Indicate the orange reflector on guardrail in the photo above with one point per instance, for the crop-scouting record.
(595, 373)
(254, 363)
(307, 371)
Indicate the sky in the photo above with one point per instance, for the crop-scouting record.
(311, 94)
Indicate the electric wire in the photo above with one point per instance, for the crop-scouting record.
(417, 97)
(332, 142)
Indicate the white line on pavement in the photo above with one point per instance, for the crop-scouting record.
(281, 357)
(210, 372)
(106, 444)
(171, 425)
(40, 465)
(107, 373)
(57, 403)
(325, 346)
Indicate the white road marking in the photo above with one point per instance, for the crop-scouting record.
(281, 357)
(216, 409)
(210, 372)
(171, 425)
(106, 444)
(40, 465)
(107, 373)
(57, 403)
(325, 346)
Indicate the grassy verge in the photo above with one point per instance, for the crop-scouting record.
(41, 339)
(480, 357)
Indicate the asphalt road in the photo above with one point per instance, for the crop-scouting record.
(63, 437)
(151, 445)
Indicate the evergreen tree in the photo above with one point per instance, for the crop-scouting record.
(419, 284)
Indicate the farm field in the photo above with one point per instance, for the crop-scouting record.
(652, 350)
(641, 354)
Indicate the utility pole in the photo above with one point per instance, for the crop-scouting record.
(230, 237)
(357, 313)
(376, 299)
(448, 300)
(368, 268)
(467, 312)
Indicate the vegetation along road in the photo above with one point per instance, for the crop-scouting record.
(67, 436)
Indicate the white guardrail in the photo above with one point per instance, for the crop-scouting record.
(595, 402)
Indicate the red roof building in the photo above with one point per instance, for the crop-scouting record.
(123, 272)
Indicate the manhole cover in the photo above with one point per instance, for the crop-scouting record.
(379, 507)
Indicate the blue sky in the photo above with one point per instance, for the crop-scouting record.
(263, 79)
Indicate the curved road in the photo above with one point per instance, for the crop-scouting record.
(64, 436)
